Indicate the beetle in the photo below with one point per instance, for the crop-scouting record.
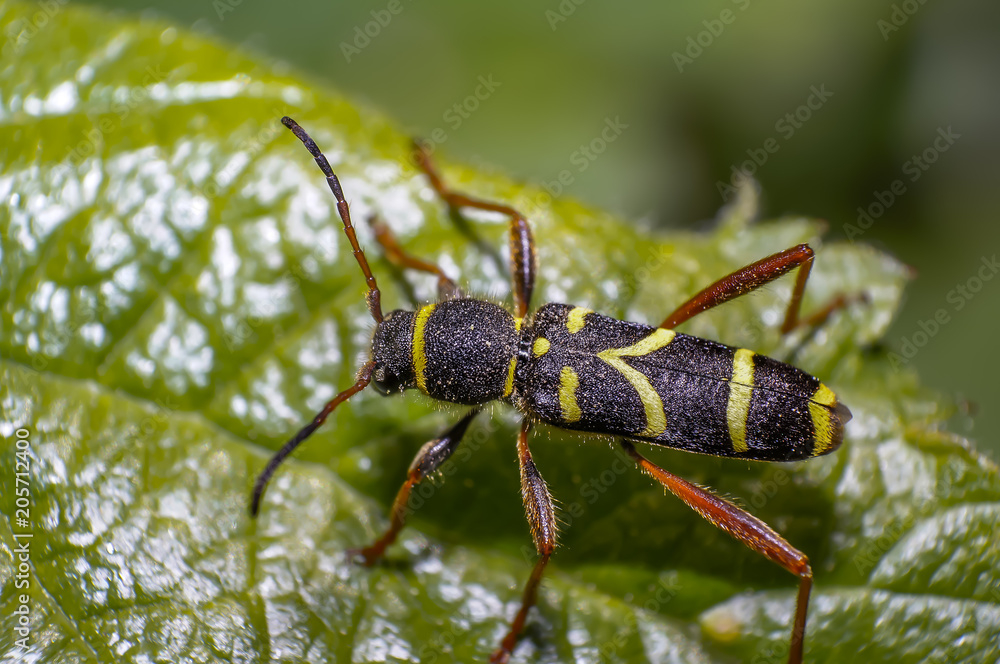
(573, 368)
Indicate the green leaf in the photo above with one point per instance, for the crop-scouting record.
(178, 298)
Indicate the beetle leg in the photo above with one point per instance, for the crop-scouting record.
(447, 289)
(750, 278)
(745, 527)
(754, 276)
(428, 459)
(542, 519)
(522, 244)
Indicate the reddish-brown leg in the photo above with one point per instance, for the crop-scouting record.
(522, 244)
(428, 459)
(838, 302)
(542, 519)
(745, 527)
(447, 289)
(750, 278)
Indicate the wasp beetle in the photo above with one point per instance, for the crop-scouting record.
(572, 368)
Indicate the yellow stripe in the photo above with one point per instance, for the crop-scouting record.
(740, 391)
(819, 410)
(825, 396)
(419, 356)
(509, 385)
(656, 419)
(568, 382)
(575, 322)
(541, 346)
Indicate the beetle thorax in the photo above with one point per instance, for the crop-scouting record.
(463, 351)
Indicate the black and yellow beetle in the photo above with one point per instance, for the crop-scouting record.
(572, 368)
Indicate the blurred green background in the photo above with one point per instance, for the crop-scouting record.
(693, 90)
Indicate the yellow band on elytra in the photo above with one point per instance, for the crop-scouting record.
(819, 409)
(575, 320)
(740, 392)
(568, 384)
(656, 419)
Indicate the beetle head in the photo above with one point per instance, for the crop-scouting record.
(392, 351)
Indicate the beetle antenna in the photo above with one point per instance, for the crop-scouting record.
(374, 296)
(364, 377)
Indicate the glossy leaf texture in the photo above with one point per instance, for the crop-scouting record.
(178, 298)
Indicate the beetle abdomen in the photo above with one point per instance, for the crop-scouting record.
(599, 374)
